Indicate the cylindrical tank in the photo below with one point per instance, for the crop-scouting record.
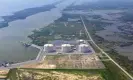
(83, 48)
(81, 41)
(66, 48)
(48, 48)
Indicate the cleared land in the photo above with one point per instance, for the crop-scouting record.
(77, 61)
(3, 73)
(36, 74)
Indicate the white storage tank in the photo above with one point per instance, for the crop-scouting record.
(49, 48)
(66, 48)
(83, 48)
(81, 41)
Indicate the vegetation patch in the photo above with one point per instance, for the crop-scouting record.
(58, 74)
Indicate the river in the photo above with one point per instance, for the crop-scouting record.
(10, 37)
(8, 7)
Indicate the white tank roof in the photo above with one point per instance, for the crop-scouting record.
(81, 40)
(48, 48)
(66, 48)
(84, 45)
(83, 48)
(50, 45)
(64, 45)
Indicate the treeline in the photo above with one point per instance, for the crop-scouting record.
(3, 24)
(40, 37)
(66, 16)
(23, 14)
(104, 4)
(27, 12)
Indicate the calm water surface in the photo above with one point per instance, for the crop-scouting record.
(10, 37)
(8, 7)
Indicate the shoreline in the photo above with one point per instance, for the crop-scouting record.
(23, 14)
(20, 29)
(19, 64)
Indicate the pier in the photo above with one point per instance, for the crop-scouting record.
(35, 46)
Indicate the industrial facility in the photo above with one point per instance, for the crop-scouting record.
(83, 48)
(68, 47)
(49, 48)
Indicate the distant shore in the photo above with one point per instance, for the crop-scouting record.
(23, 14)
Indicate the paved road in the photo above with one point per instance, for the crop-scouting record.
(41, 55)
(38, 47)
(88, 34)
(17, 65)
(39, 58)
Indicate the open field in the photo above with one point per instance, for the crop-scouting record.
(75, 61)
(111, 72)
(115, 72)
(61, 74)
(3, 73)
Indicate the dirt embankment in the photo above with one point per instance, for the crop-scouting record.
(55, 75)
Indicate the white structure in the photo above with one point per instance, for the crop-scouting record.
(81, 41)
(66, 48)
(83, 48)
(48, 48)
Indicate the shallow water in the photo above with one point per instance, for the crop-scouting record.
(109, 32)
(126, 51)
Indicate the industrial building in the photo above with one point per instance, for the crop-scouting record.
(83, 48)
(81, 41)
(49, 48)
(68, 47)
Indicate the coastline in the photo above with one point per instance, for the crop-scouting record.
(23, 14)
(19, 30)
(51, 19)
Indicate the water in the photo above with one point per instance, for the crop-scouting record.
(79, 2)
(1, 19)
(126, 51)
(109, 32)
(7, 7)
(10, 37)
